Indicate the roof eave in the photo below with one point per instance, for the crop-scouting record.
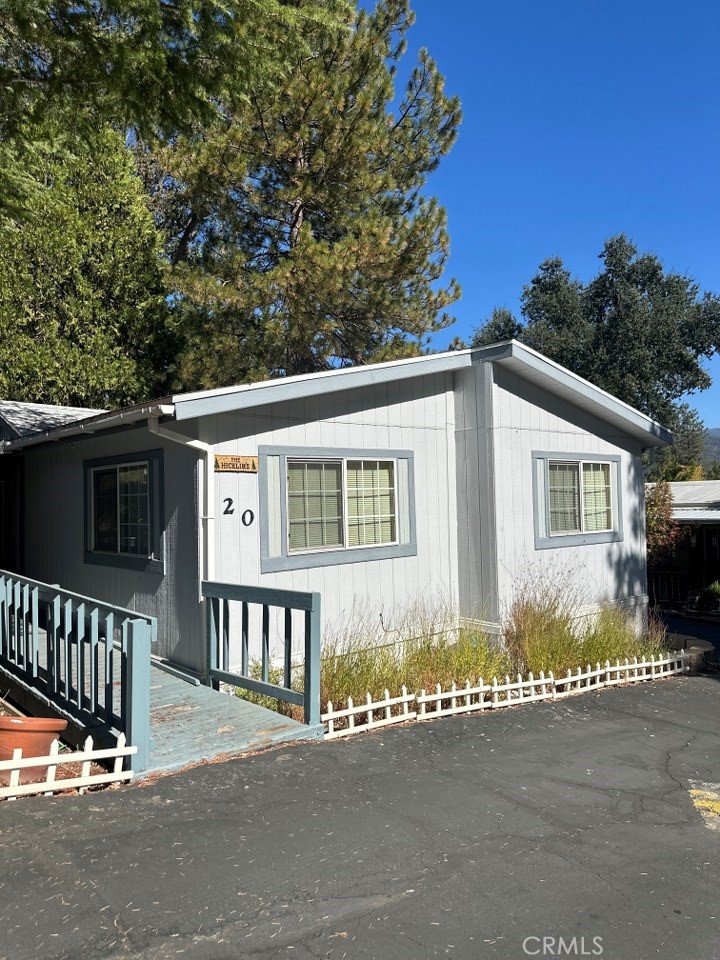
(559, 380)
(104, 421)
(351, 378)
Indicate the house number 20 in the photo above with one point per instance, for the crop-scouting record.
(247, 517)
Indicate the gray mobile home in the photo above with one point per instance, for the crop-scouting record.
(450, 475)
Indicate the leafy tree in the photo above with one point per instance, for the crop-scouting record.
(83, 312)
(298, 230)
(158, 65)
(635, 330)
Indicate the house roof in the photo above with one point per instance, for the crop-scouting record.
(696, 493)
(523, 361)
(705, 515)
(694, 501)
(527, 363)
(25, 419)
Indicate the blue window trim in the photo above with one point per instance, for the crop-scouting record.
(543, 539)
(155, 563)
(325, 558)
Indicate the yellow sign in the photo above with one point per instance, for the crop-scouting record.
(233, 464)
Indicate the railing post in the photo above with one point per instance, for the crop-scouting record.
(312, 663)
(213, 638)
(136, 708)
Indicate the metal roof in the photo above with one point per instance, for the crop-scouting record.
(696, 516)
(696, 493)
(523, 361)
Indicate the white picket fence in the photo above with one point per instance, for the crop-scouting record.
(355, 718)
(367, 712)
(56, 759)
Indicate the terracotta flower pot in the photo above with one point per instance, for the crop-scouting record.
(33, 735)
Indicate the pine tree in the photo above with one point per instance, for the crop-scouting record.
(160, 66)
(83, 312)
(299, 232)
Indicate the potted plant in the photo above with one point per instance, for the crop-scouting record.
(32, 735)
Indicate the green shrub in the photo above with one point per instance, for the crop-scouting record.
(276, 676)
(612, 637)
(426, 647)
(709, 598)
(545, 630)
(540, 632)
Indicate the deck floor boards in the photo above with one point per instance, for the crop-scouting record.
(190, 723)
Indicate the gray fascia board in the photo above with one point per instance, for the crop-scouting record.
(605, 405)
(495, 351)
(352, 378)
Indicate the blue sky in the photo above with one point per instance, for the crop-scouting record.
(582, 119)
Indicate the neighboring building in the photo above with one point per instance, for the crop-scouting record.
(695, 563)
(450, 476)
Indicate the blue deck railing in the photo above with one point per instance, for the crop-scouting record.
(87, 658)
(222, 623)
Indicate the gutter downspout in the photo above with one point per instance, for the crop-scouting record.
(207, 527)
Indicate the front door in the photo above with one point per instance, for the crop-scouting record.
(10, 473)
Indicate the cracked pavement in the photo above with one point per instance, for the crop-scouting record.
(454, 838)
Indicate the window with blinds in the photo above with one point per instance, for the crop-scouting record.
(340, 503)
(597, 497)
(371, 502)
(579, 497)
(315, 510)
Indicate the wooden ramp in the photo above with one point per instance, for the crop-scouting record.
(189, 724)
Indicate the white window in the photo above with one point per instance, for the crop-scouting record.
(334, 504)
(580, 497)
(324, 506)
(577, 499)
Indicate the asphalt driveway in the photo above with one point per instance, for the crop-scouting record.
(687, 630)
(467, 838)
